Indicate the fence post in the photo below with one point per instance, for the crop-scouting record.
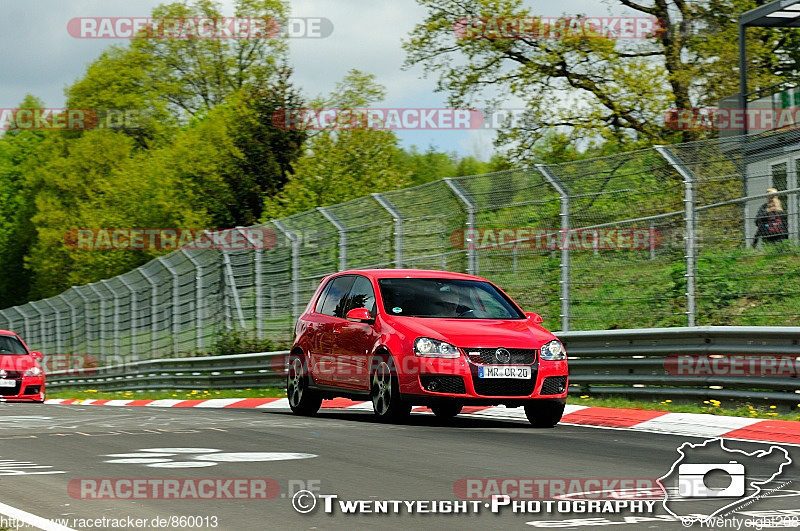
(73, 319)
(292, 237)
(57, 316)
(153, 311)
(234, 290)
(559, 187)
(85, 302)
(133, 313)
(689, 238)
(198, 288)
(342, 230)
(101, 327)
(42, 327)
(469, 205)
(175, 305)
(25, 326)
(398, 228)
(115, 321)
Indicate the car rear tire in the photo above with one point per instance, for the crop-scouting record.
(446, 411)
(544, 413)
(385, 392)
(302, 400)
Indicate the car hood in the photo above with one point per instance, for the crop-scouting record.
(476, 333)
(17, 362)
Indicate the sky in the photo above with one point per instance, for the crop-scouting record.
(41, 58)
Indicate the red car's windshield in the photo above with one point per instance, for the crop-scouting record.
(10, 345)
(445, 298)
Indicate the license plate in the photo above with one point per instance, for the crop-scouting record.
(504, 371)
(8, 383)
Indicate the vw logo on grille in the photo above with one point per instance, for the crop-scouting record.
(3, 373)
(502, 355)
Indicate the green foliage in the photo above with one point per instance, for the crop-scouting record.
(604, 91)
(342, 164)
(238, 342)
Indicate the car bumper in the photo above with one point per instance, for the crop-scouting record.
(30, 389)
(428, 380)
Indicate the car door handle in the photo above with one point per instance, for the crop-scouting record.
(337, 330)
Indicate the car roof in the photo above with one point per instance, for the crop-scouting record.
(411, 273)
(8, 333)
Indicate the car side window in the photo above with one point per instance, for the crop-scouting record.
(335, 298)
(322, 297)
(361, 296)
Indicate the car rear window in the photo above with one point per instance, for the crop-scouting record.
(445, 298)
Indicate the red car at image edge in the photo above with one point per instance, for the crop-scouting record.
(21, 376)
(407, 337)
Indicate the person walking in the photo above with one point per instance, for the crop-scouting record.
(771, 220)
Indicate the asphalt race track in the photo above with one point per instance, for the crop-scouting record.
(45, 450)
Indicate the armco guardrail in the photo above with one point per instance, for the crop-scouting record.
(611, 362)
(263, 369)
(632, 362)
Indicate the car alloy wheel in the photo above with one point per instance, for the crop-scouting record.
(302, 400)
(386, 401)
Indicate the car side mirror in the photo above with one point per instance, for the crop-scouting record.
(37, 355)
(534, 317)
(359, 314)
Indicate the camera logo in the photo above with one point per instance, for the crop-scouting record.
(691, 480)
(695, 488)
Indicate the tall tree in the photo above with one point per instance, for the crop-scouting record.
(19, 151)
(342, 164)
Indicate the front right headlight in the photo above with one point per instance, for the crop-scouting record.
(433, 348)
(553, 351)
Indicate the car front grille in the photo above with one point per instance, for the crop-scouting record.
(443, 383)
(502, 386)
(487, 356)
(554, 385)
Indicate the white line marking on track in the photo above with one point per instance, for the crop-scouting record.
(281, 403)
(36, 521)
(163, 403)
(219, 402)
(695, 424)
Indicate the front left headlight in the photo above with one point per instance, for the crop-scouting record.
(553, 351)
(33, 371)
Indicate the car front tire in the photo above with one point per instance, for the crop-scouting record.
(544, 413)
(446, 411)
(302, 400)
(385, 392)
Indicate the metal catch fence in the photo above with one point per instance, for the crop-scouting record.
(660, 237)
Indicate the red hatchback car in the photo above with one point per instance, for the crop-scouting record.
(21, 376)
(405, 337)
